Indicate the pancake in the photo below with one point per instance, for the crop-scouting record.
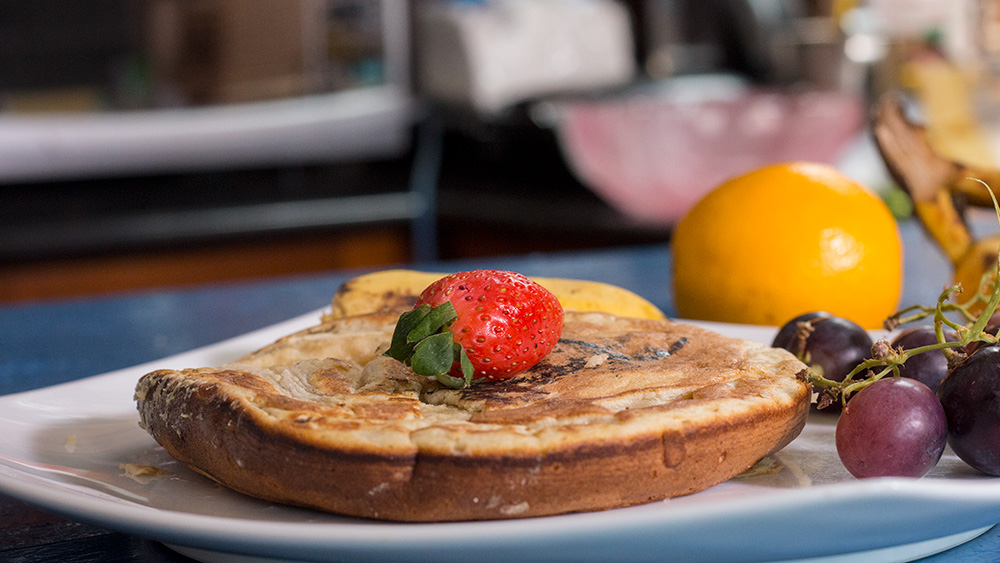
(622, 412)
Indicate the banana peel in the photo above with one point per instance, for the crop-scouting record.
(944, 90)
(941, 189)
(395, 289)
(969, 271)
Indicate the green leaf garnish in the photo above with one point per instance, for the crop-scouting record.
(433, 355)
(423, 340)
(401, 348)
(467, 368)
(438, 318)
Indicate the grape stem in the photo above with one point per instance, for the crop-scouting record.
(886, 360)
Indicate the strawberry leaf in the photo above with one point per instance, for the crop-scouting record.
(468, 370)
(433, 355)
(401, 347)
(451, 381)
(423, 340)
(434, 322)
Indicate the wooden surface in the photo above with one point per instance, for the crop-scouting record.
(29, 534)
(190, 265)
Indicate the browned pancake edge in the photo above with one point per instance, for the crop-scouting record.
(572, 440)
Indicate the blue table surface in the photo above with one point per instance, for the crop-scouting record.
(56, 341)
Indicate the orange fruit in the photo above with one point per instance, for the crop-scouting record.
(784, 240)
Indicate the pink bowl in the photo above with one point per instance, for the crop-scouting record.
(653, 159)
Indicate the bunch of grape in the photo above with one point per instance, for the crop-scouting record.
(903, 401)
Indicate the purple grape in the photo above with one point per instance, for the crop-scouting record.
(928, 368)
(970, 395)
(894, 427)
(834, 348)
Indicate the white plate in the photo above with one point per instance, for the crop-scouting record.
(65, 448)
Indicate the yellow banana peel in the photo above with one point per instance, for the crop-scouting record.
(969, 270)
(937, 184)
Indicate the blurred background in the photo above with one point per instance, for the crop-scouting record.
(154, 143)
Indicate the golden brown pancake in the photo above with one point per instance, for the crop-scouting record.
(622, 412)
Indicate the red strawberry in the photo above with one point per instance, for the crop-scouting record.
(478, 324)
